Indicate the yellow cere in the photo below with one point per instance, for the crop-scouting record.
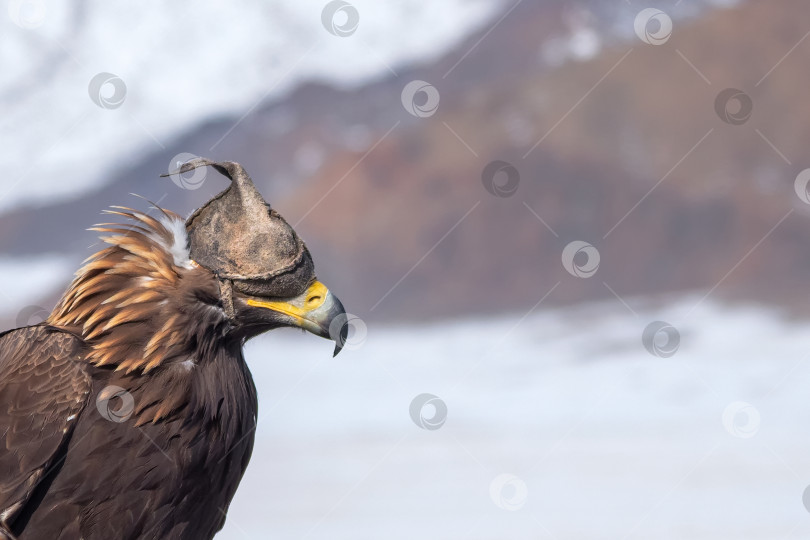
(299, 307)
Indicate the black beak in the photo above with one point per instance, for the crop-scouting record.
(341, 321)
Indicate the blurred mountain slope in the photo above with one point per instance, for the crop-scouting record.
(632, 158)
(650, 122)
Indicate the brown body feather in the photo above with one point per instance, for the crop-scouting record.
(140, 317)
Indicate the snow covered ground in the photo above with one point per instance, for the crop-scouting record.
(598, 438)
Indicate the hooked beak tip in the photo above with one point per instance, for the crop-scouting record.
(339, 317)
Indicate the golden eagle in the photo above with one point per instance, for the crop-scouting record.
(130, 412)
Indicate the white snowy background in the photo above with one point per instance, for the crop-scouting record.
(610, 441)
(602, 438)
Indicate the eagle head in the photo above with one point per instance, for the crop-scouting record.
(266, 274)
(167, 289)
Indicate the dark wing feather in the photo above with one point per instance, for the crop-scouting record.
(42, 391)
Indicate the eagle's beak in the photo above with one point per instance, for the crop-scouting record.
(317, 311)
